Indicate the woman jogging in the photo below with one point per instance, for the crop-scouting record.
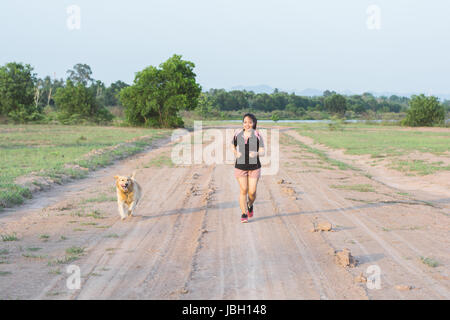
(247, 146)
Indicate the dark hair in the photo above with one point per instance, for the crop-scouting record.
(252, 116)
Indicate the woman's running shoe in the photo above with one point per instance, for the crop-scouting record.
(244, 218)
(250, 211)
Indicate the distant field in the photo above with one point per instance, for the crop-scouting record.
(378, 140)
(402, 148)
(47, 151)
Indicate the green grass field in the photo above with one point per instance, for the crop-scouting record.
(384, 142)
(378, 140)
(53, 150)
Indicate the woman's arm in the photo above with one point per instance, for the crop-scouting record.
(261, 152)
(237, 154)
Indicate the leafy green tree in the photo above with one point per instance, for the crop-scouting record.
(328, 93)
(336, 103)
(299, 101)
(204, 106)
(81, 73)
(158, 94)
(98, 88)
(291, 108)
(275, 116)
(447, 105)
(76, 102)
(424, 111)
(280, 100)
(263, 102)
(18, 91)
(112, 93)
(237, 100)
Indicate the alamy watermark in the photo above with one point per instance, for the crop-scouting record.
(73, 282)
(374, 278)
(373, 21)
(73, 21)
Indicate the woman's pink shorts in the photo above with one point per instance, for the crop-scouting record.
(238, 173)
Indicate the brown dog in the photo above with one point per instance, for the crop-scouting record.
(128, 194)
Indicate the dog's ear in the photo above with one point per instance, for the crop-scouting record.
(116, 177)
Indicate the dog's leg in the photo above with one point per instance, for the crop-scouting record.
(121, 204)
(131, 209)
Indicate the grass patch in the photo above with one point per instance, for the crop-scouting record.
(113, 235)
(12, 194)
(33, 249)
(44, 237)
(161, 161)
(89, 224)
(56, 151)
(55, 271)
(75, 251)
(9, 237)
(96, 215)
(63, 260)
(101, 198)
(72, 254)
(286, 139)
(355, 187)
(308, 164)
(77, 214)
(5, 273)
(420, 167)
(4, 252)
(32, 256)
(429, 262)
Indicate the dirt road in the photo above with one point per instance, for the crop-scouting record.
(187, 241)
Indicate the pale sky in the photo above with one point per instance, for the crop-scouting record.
(287, 44)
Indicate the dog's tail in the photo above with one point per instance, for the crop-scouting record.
(134, 174)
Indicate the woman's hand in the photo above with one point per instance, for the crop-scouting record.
(237, 154)
(261, 152)
(253, 154)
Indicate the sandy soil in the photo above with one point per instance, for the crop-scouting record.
(187, 241)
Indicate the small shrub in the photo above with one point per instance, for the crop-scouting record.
(424, 111)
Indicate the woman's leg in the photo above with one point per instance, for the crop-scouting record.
(243, 185)
(252, 183)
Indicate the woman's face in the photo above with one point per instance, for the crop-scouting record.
(248, 123)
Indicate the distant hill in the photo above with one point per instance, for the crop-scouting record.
(256, 89)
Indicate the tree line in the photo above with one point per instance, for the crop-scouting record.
(419, 110)
(330, 101)
(159, 94)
